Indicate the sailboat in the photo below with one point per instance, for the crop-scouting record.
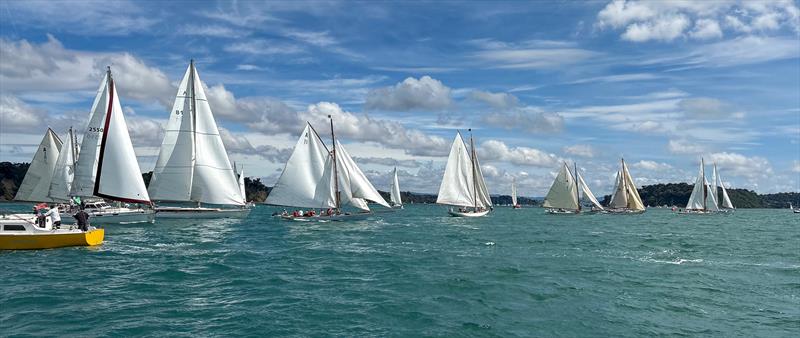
(463, 184)
(563, 198)
(64, 171)
(793, 209)
(394, 192)
(725, 204)
(107, 168)
(625, 199)
(318, 178)
(193, 166)
(240, 181)
(514, 203)
(702, 200)
(35, 185)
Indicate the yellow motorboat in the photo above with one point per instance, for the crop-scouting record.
(27, 231)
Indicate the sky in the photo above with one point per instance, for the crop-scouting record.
(660, 83)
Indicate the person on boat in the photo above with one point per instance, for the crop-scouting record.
(82, 218)
(55, 216)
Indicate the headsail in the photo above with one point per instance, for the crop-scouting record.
(457, 183)
(482, 198)
(306, 178)
(240, 179)
(352, 181)
(634, 200)
(702, 197)
(35, 187)
(513, 191)
(118, 175)
(619, 198)
(394, 195)
(86, 166)
(726, 200)
(588, 193)
(562, 192)
(64, 171)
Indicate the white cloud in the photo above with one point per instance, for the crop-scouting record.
(618, 78)
(707, 108)
(534, 54)
(527, 120)
(217, 31)
(494, 150)
(501, 101)
(796, 166)
(734, 164)
(411, 94)
(82, 17)
(16, 115)
(706, 29)
(665, 28)
(263, 47)
(652, 165)
(685, 147)
(247, 67)
(50, 67)
(321, 39)
(388, 161)
(582, 150)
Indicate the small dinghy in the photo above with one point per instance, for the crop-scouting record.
(27, 232)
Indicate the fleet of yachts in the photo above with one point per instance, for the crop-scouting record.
(194, 178)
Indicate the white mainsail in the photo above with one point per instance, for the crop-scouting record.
(193, 164)
(563, 193)
(86, 167)
(513, 191)
(588, 193)
(634, 200)
(702, 198)
(61, 182)
(482, 198)
(352, 181)
(35, 186)
(306, 180)
(457, 186)
(118, 175)
(394, 195)
(619, 198)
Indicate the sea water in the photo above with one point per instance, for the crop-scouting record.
(417, 272)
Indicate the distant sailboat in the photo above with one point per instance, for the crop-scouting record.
(725, 204)
(702, 200)
(562, 198)
(193, 166)
(625, 199)
(394, 194)
(64, 172)
(463, 184)
(107, 166)
(318, 178)
(514, 203)
(35, 186)
(793, 209)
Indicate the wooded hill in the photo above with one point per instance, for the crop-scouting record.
(653, 195)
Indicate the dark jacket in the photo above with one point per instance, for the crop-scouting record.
(82, 218)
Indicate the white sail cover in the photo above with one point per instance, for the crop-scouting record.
(562, 194)
(35, 186)
(483, 199)
(352, 181)
(306, 178)
(172, 175)
(86, 167)
(214, 181)
(588, 193)
(395, 190)
(619, 199)
(634, 200)
(61, 183)
(118, 174)
(513, 192)
(457, 183)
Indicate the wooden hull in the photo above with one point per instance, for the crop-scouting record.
(54, 239)
(203, 213)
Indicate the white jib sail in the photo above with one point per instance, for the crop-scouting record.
(118, 174)
(726, 200)
(634, 200)
(588, 193)
(483, 199)
(395, 190)
(513, 192)
(619, 198)
(711, 200)
(172, 175)
(714, 179)
(457, 183)
(562, 192)
(35, 186)
(61, 183)
(697, 196)
(213, 181)
(86, 167)
(240, 179)
(304, 181)
(353, 181)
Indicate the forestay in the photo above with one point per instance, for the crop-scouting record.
(35, 186)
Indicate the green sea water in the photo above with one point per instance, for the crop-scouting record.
(417, 272)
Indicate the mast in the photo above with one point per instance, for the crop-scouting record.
(474, 179)
(705, 187)
(577, 195)
(193, 111)
(74, 148)
(335, 170)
